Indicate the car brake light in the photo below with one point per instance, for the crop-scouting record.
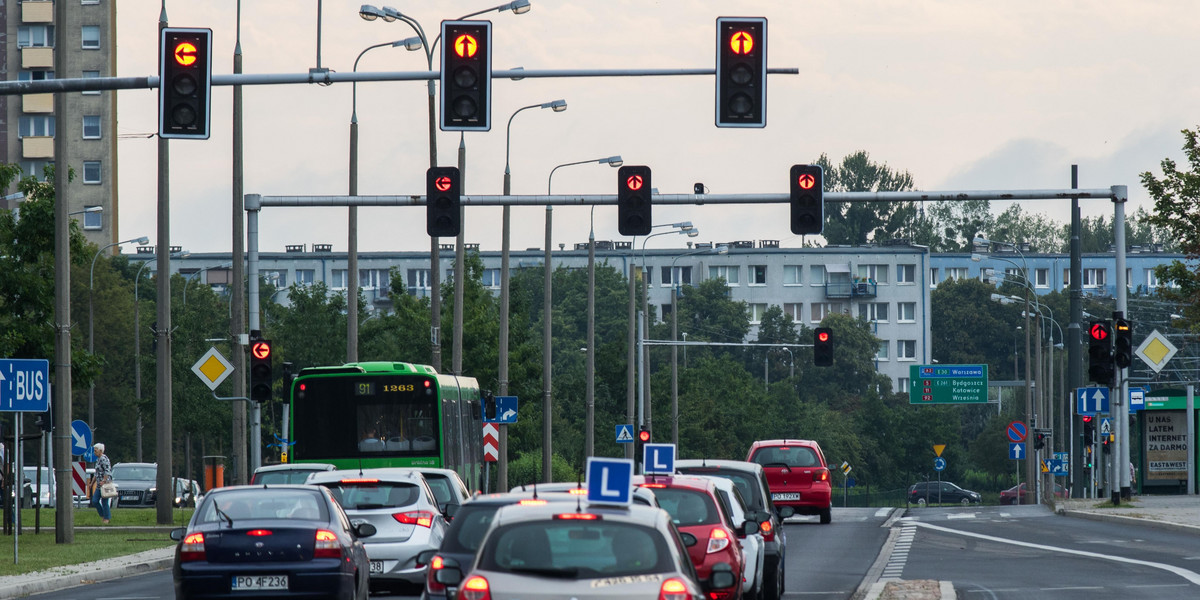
(821, 474)
(475, 588)
(578, 516)
(673, 589)
(192, 548)
(423, 518)
(577, 492)
(359, 481)
(653, 485)
(431, 583)
(327, 545)
(531, 502)
(718, 540)
(721, 594)
(258, 532)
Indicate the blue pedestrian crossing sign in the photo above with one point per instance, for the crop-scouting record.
(609, 480)
(1016, 450)
(624, 434)
(658, 458)
(81, 438)
(1091, 400)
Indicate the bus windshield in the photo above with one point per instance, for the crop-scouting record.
(343, 416)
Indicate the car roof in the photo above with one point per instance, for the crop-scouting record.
(296, 467)
(634, 513)
(689, 481)
(783, 442)
(732, 465)
(136, 464)
(394, 474)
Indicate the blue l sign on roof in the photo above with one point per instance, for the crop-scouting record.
(609, 480)
(24, 385)
(658, 458)
(1091, 400)
(81, 437)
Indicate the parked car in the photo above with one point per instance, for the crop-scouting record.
(43, 498)
(279, 540)
(940, 492)
(137, 484)
(797, 474)
(287, 472)
(405, 514)
(1010, 496)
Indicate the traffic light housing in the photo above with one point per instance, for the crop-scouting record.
(807, 199)
(823, 347)
(466, 75)
(1122, 343)
(633, 200)
(262, 366)
(1089, 430)
(643, 438)
(741, 72)
(1039, 441)
(1100, 358)
(489, 408)
(184, 83)
(443, 201)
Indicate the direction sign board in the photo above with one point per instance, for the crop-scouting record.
(1091, 400)
(506, 410)
(624, 434)
(939, 464)
(1058, 467)
(948, 384)
(24, 385)
(1016, 450)
(658, 458)
(212, 369)
(81, 437)
(1017, 431)
(1156, 350)
(609, 480)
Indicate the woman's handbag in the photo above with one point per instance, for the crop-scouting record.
(108, 490)
(91, 487)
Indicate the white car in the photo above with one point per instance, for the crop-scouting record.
(753, 547)
(46, 498)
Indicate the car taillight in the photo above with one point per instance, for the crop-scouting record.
(423, 518)
(767, 530)
(578, 516)
(718, 540)
(258, 532)
(327, 545)
(673, 589)
(821, 475)
(721, 594)
(431, 584)
(475, 588)
(192, 548)
(531, 502)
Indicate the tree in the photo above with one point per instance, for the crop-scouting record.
(957, 224)
(1014, 225)
(1177, 210)
(857, 222)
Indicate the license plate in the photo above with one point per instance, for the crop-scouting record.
(259, 582)
(785, 496)
(376, 567)
(129, 496)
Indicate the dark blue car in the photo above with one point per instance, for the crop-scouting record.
(264, 541)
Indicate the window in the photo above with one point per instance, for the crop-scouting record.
(491, 278)
(756, 313)
(91, 37)
(305, 276)
(1012, 274)
(91, 172)
(873, 311)
(1041, 278)
(35, 75)
(878, 273)
(758, 275)
(35, 36)
(91, 75)
(682, 275)
(795, 310)
(906, 312)
(956, 273)
(91, 127)
(906, 273)
(339, 279)
(1093, 277)
(904, 384)
(373, 279)
(816, 274)
(933, 277)
(92, 220)
(792, 274)
(818, 310)
(728, 273)
(882, 354)
(906, 349)
(1151, 278)
(417, 279)
(275, 277)
(36, 127)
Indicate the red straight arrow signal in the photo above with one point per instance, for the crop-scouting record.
(634, 182)
(741, 42)
(1099, 332)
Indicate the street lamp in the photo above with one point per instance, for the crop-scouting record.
(90, 209)
(721, 249)
(137, 345)
(91, 321)
(197, 276)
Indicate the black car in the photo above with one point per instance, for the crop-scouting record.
(940, 492)
(266, 540)
(751, 481)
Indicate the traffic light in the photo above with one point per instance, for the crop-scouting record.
(184, 83)
(823, 347)
(1122, 343)
(807, 199)
(466, 75)
(1089, 430)
(489, 408)
(46, 420)
(261, 370)
(1039, 441)
(443, 201)
(633, 200)
(1100, 358)
(741, 72)
(1105, 445)
(643, 438)
(1087, 456)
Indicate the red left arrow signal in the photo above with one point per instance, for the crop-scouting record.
(442, 183)
(261, 350)
(185, 54)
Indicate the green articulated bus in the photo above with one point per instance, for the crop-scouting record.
(387, 414)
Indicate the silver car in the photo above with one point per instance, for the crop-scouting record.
(407, 520)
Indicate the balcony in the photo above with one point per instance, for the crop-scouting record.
(37, 147)
(840, 288)
(37, 57)
(37, 103)
(41, 11)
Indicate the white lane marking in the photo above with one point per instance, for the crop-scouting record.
(883, 512)
(1190, 576)
(960, 516)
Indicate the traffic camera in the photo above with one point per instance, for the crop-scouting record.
(741, 72)
(184, 83)
(633, 200)
(1100, 358)
(443, 202)
(262, 377)
(466, 75)
(823, 347)
(807, 199)
(1122, 343)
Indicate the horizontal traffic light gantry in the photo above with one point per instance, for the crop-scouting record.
(741, 72)
(633, 200)
(443, 201)
(184, 83)
(466, 81)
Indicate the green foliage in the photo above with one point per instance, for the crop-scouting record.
(857, 222)
(526, 469)
(1177, 210)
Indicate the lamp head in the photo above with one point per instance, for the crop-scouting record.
(692, 232)
(723, 249)
(519, 7)
(94, 209)
(369, 13)
(412, 43)
(981, 241)
(557, 105)
(390, 14)
(143, 240)
(976, 257)
(183, 254)
(614, 161)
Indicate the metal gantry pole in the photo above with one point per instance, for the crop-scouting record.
(1122, 390)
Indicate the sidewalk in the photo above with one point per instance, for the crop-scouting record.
(59, 578)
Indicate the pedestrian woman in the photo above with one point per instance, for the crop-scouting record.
(103, 475)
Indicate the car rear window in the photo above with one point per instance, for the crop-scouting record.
(441, 488)
(273, 477)
(687, 507)
(257, 503)
(577, 549)
(372, 494)
(746, 483)
(469, 525)
(786, 456)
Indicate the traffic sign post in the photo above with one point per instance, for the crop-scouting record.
(81, 438)
(624, 434)
(1016, 450)
(939, 464)
(948, 384)
(1017, 431)
(212, 368)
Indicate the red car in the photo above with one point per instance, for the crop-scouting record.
(1010, 496)
(693, 505)
(797, 475)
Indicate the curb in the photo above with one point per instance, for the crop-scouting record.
(71, 576)
(1143, 521)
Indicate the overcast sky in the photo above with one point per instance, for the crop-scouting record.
(963, 94)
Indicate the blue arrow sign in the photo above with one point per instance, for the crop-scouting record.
(24, 385)
(506, 410)
(1091, 400)
(1016, 450)
(939, 464)
(609, 480)
(624, 434)
(1057, 467)
(658, 458)
(81, 437)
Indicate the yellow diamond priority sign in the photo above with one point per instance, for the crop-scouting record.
(212, 368)
(1156, 350)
